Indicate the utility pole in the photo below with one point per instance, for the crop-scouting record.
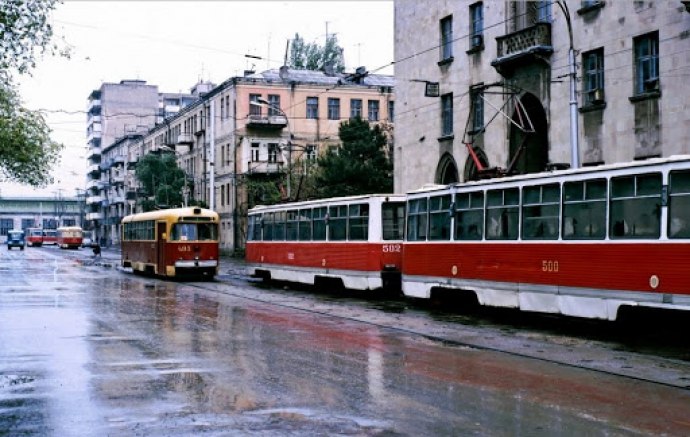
(212, 157)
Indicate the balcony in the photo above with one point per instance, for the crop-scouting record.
(526, 46)
(118, 179)
(94, 199)
(93, 152)
(117, 199)
(264, 167)
(184, 139)
(94, 169)
(94, 216)
(267, 122)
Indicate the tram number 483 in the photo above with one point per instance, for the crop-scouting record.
(549, 266)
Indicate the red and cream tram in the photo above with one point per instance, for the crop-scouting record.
(180, 242)
(69, 237)
(34, 237)
(355, 240)
(582, 242)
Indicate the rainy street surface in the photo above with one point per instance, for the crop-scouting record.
(89, 350)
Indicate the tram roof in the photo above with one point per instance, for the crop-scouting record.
(171, 212)
(329, 200)
(548, 175)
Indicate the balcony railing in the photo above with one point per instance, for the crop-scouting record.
(94, 199)
(270, 121)
(264, 167)
(94, 216)
(523, 47)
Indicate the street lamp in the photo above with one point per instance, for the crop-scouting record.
(264, 103)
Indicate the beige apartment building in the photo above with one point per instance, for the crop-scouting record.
(497, 77)
(261, 127)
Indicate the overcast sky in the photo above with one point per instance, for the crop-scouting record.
(174, 44)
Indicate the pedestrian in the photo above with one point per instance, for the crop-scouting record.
(96, 250)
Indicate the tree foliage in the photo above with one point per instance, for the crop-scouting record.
(312, 56)
(360, 166)
(27, 154)
(161, 181)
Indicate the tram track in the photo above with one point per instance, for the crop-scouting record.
(578, 353)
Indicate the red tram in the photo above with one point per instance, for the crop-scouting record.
(582, 242)
(69, 237)
(34, 237)
(180, 242)
(356, 241)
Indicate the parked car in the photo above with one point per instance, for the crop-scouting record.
(15, 238)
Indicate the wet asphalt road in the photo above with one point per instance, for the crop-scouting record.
(89, 350)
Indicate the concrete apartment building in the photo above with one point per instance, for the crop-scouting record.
(117, 111)
(262, 127)
(497, 76)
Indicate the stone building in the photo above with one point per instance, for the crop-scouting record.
(494, 78)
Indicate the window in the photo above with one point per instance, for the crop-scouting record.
(593, 81)
(393, 220)
(373, 106)
(254, 109)
(416, 219)
(279, 225)
(447, 114)
(469, 216)
(291, 225)
(439, 217)
(333, 108)
(6, 225)
(194, 232)
(647, 63)
(477, 96)
(304, 219)
(274, 105)
(502, 214)
(541, 212)
(337, 223)
(320, 219)
(635, 206)
(543, 11)
(447, 38)
(584, 210)
(312, 107)
(255, 152)
(679, 204)
(391, 111)
(311, 152)
(476, 25)
(358, 222)
(254, 228)
(273, 150)
(355, 108)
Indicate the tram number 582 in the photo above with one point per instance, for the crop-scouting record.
(549, 266)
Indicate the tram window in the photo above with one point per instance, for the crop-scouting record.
(337, 223)
(416, 219)
(319, 222)
(279, 226)
(439, 217)
(584, 210)
(393, 220)
(207, 231)
(291, 226)
(679, 204)
(358, 222)
(540, 212)
(268, 226)
(469, 216)
(252, 226)
(635, 206)
(304, 224)
(502, 212)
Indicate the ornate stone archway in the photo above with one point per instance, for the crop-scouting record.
(447, 170)
(535, 154)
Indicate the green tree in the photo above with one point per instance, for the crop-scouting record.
(360, 166)
(312, 56)
(27, 154)
(161, 181)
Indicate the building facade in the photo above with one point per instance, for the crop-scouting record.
(495, 80)
(39, 212)
(262, 127)
(118, 111)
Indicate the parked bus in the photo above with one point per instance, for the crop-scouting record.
(69, 237)
(180, 242)
(582, 242)
(49, 236)
(34, 237)
(355, 241)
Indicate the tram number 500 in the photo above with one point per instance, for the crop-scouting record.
(391, 248)
(549, 266)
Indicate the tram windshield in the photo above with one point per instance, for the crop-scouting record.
(194, 232)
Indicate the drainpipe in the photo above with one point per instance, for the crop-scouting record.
(574, 137)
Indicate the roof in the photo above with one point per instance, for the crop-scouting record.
(321, 78)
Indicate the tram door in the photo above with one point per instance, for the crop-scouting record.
(160, 247)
